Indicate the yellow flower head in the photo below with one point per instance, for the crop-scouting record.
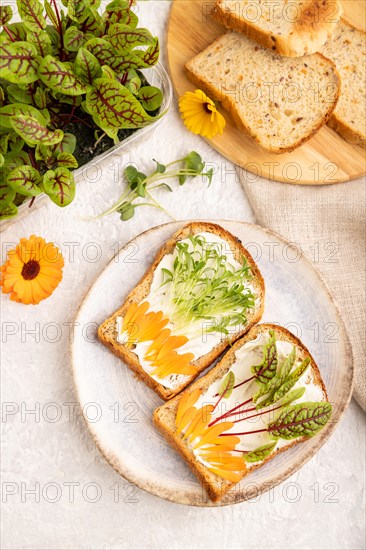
(32, 272)
(200, 114)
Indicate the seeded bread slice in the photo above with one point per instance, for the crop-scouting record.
(347, 50)
(292, 28)
(281, 102)
(164, 416)
(107, 332)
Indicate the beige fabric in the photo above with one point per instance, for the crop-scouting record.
(329, 223)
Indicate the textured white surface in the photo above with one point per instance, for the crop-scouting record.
(48, 456)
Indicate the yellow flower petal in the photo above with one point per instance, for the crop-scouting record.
(200, 114)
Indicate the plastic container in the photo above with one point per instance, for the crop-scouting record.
(157, 76)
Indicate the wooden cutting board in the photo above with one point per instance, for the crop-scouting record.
(326, 158)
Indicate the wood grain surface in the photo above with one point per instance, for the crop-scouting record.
(325, 159)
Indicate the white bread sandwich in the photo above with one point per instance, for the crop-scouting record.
(281, 102)
(292, 28)
(202, 292)
(264, 396)
(347, 50)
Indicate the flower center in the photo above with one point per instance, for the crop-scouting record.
(30, 270)
(208, 108)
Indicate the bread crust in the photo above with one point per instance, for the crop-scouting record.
(106, 331)
(346, 131)
(308, 34)
(340, 125)
(215, 486)
(230, 105)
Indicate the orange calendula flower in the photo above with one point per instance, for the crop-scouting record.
(144, 326)
(216, 452)
(32, 271)
(200, 114)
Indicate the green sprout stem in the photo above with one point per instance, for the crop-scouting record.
(140, 186)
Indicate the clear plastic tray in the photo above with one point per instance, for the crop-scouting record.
(157, 76)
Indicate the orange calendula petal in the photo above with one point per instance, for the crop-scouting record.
(186, 402)
(226, 440)
(185, 419)
(212, 433)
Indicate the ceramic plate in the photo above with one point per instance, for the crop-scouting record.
(118, 408)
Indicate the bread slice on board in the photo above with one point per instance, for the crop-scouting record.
(282, 102)
(347, 50)
(292, 28)
(107, 331)
(202, 393)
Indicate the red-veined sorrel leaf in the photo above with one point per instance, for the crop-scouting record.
(18, 62)
(2, 160)
(67, 145)
(8, 211)
(7, 194)
(107, 72)
(227, 385)
(4, 141)
(50, 13)
(133, 82)
(105, 54)
(147, 58)
(31, 12)
(40, 98)
(18, 31)
(59, 77)
(150, 97)
(123, 38)
(16, 94)
(94, 24)
(303, 419)
(41, 41)
(16, 142)
(87, 66)
(118, 12)
(25, 180)
(115, 106)
(74, 38)
(78, 10)
(14, 159)
(33, 132)
(16, 109)
(67, 160)
(266, 370)
(260, 453)
(47, 154)
(6, 13)
(60, 186)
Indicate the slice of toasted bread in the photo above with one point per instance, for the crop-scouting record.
(292, 29)
(281, 102)
(347, 50)
(107, 331)
(165, 416)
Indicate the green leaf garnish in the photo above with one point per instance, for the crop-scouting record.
(259, 454)
(304, 419)
(227, 385)
(266, 370)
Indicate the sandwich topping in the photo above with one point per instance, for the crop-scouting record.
(267, 398)
(199, 295)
